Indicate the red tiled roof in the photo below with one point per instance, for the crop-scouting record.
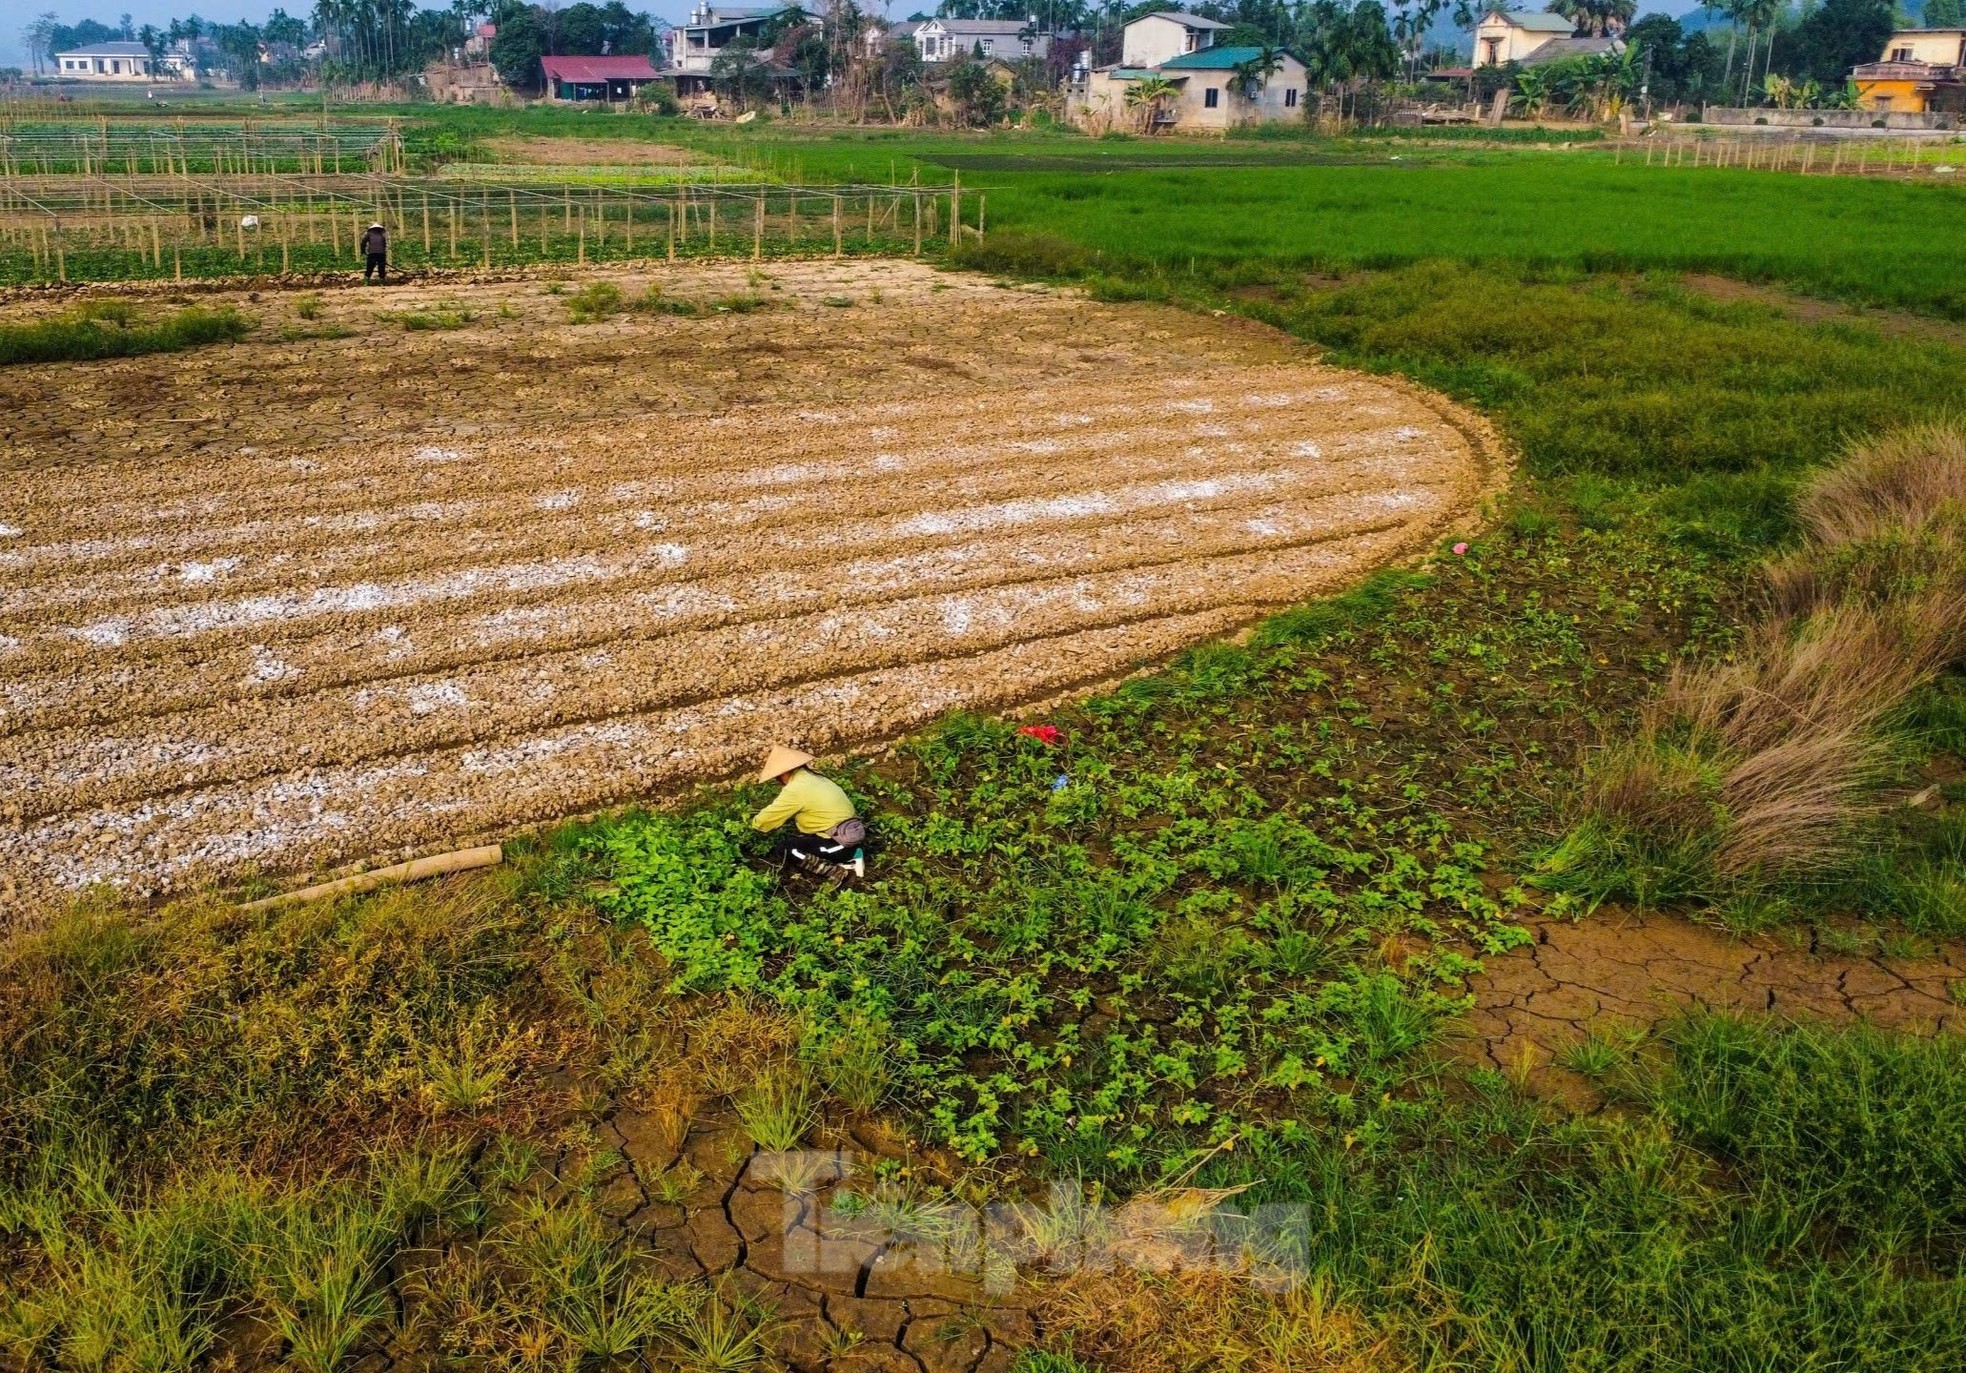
(583, 69)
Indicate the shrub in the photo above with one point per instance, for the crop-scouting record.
(595, 301)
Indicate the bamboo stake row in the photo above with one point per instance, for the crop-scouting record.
(1806, 157)
(123, 236)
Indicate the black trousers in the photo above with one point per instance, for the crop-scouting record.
(378, 266)
(795, 846)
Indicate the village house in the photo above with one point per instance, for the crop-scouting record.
(1922, 71)
(1209, 94)
(694, 45)
(950, 40)
(1154, 38)
(466, 76)
(1529, 38)
(120, 62)
(596, 78)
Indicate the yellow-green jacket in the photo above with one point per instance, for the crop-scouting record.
(815, 802)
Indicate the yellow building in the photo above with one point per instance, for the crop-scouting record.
(1922, 71)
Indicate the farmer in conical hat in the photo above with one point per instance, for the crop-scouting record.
(826, 826)
(375, 253)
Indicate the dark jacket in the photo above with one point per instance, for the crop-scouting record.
(375, 243)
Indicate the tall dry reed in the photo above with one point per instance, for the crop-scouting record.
(1767, 765)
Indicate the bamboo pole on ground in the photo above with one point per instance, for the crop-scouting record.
(669, 213)
(955, 210)
(435, 866)
(836, 227)
(452, 207)
(581, 251)
(758, 231)
(512, 204)
(426, 228)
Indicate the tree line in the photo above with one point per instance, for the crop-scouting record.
(1357, 51)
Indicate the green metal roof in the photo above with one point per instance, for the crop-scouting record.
(1211, 59)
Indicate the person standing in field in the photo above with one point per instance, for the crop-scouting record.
(375, 253)
(826, 826)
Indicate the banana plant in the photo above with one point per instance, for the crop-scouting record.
(1146, 96)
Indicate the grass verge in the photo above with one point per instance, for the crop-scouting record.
(112, 329)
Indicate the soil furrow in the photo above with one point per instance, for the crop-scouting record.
(476, 478)
(800, 521)
(280, 659)
(310, 818)
(48, 773)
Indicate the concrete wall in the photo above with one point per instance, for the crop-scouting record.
(1829, 119)
(1153, 40)
(1940, 47)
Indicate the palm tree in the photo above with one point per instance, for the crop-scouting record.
(1598, 18)
(1145, 97)
(1255, 73)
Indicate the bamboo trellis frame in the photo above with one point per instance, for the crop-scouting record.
(124, 226)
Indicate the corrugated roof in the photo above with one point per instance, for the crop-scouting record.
(1193, 21)
(984, 27)
(1536, 21)
(107, 50)
(1212, 59)
(1559, 48)
(597, 68)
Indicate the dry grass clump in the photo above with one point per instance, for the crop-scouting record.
(1765, 765)
(1133, 1322)
(1894, 484)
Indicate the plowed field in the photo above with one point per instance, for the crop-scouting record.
(290, 603)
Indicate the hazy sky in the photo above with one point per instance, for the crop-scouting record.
(15, 14)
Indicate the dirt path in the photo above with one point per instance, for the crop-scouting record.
(1619, 969)
(1816, 310)
(311, 599)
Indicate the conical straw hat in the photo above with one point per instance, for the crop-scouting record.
(782, 760)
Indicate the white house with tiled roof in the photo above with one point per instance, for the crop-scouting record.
(1509, 36)
(119, 62)
(1007, 40)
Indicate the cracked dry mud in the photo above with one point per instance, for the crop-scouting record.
(1618, 968)
(840, 1300)
(302, 601)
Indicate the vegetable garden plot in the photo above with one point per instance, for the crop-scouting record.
(174, 223)
(289, 604)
